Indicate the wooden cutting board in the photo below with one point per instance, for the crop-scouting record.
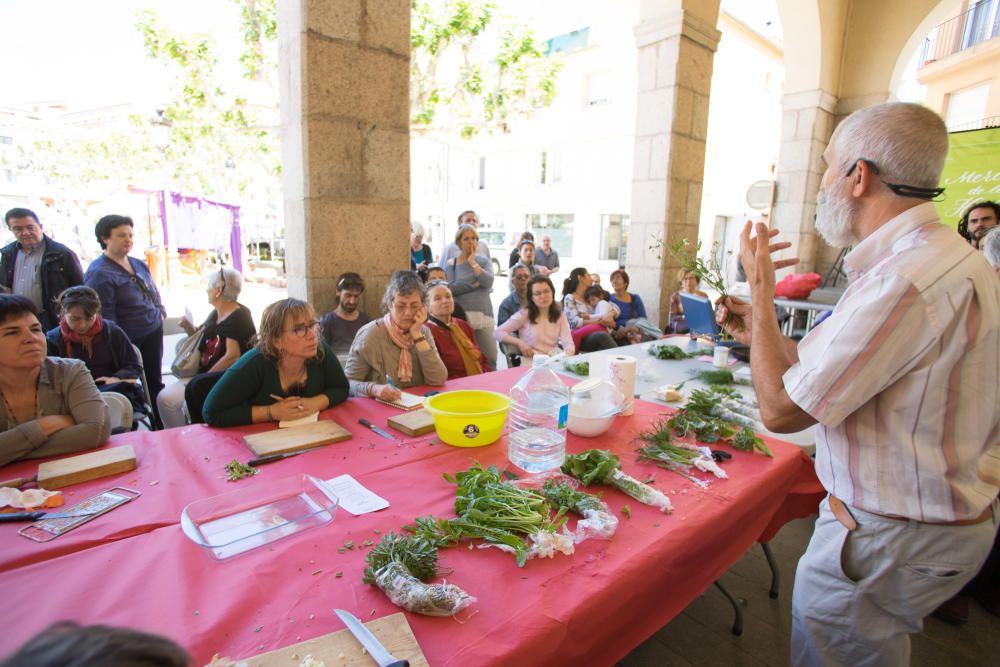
(341, 649)
(85, 467)
(292, 439)
(417, 422)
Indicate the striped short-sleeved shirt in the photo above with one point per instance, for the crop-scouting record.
(904, 375)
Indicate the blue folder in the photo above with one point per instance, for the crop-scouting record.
(699, 314)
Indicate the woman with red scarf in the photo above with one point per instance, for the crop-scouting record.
(101, 344)
(456, 342)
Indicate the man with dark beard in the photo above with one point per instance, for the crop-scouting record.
(901, 379)
(341, 325)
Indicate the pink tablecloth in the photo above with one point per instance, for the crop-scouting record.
(590, 608)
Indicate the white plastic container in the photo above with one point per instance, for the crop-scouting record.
(593, 406)
(539, 408)
(720, 358)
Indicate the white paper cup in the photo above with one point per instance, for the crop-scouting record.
(720, 357)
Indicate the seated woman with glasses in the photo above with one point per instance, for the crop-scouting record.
(455, 340)
(228, 332)
(541, 327)
(49, 405)
(291, 373)
(396, 350)
(128, 295)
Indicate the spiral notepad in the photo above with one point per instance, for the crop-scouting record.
(406, 401)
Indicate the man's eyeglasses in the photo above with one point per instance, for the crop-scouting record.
(301, 330)
(32, 227)
(902, 190)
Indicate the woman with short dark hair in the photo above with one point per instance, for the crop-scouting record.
(291, 373)
(128, 294)
(84, 334)
(49, 405)
(632, 323)
(396, 350)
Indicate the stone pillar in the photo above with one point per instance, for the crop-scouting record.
(676, 44)
(806, 125)
(345, 144)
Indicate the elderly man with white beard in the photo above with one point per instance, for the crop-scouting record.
(901, 379)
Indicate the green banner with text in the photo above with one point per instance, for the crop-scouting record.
(971, 172)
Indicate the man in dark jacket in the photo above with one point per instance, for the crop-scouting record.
(37, 267)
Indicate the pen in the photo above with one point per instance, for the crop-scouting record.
(388, 379)
(279, 399)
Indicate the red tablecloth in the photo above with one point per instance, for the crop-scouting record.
(136, 568)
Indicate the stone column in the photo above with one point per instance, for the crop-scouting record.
(676, 44)
(345, 143)
(806, 125)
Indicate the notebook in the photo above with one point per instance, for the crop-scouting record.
(406, 401)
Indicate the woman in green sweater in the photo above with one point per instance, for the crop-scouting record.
(291, 373)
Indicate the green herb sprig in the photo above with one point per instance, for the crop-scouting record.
(747, 441)
(236, 471)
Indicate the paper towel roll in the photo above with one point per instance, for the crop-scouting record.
(621, 371)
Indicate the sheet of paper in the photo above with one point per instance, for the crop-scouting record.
(188, 315)
(285, 423)
(355, 498)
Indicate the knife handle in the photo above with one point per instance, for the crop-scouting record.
(367, 424)
(11, 517)
(264, 460)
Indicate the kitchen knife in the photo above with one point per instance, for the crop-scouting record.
(271, 458)
(368, 424)
(368, 640)
(10, 517)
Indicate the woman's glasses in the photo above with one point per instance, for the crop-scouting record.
(301, 330)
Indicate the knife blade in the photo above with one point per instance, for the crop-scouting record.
(368, 424)
(369, 641)
(271, 458)
(11, 517)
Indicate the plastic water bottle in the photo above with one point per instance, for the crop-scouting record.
(539, 407)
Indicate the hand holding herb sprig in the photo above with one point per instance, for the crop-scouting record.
(708, 272)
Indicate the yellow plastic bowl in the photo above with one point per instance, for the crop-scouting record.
(468, 417)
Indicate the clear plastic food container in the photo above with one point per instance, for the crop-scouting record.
(593, 406)
(257, 514)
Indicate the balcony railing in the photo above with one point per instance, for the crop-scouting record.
(980, 23)
(982, 124)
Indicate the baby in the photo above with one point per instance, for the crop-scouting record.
(598, 301)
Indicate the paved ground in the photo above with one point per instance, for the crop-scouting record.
(701, 634)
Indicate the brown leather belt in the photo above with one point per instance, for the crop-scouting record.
(841, 512)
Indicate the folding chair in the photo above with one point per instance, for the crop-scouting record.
(120, 411)
(147, 419)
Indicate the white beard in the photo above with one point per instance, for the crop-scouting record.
(833, 220)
